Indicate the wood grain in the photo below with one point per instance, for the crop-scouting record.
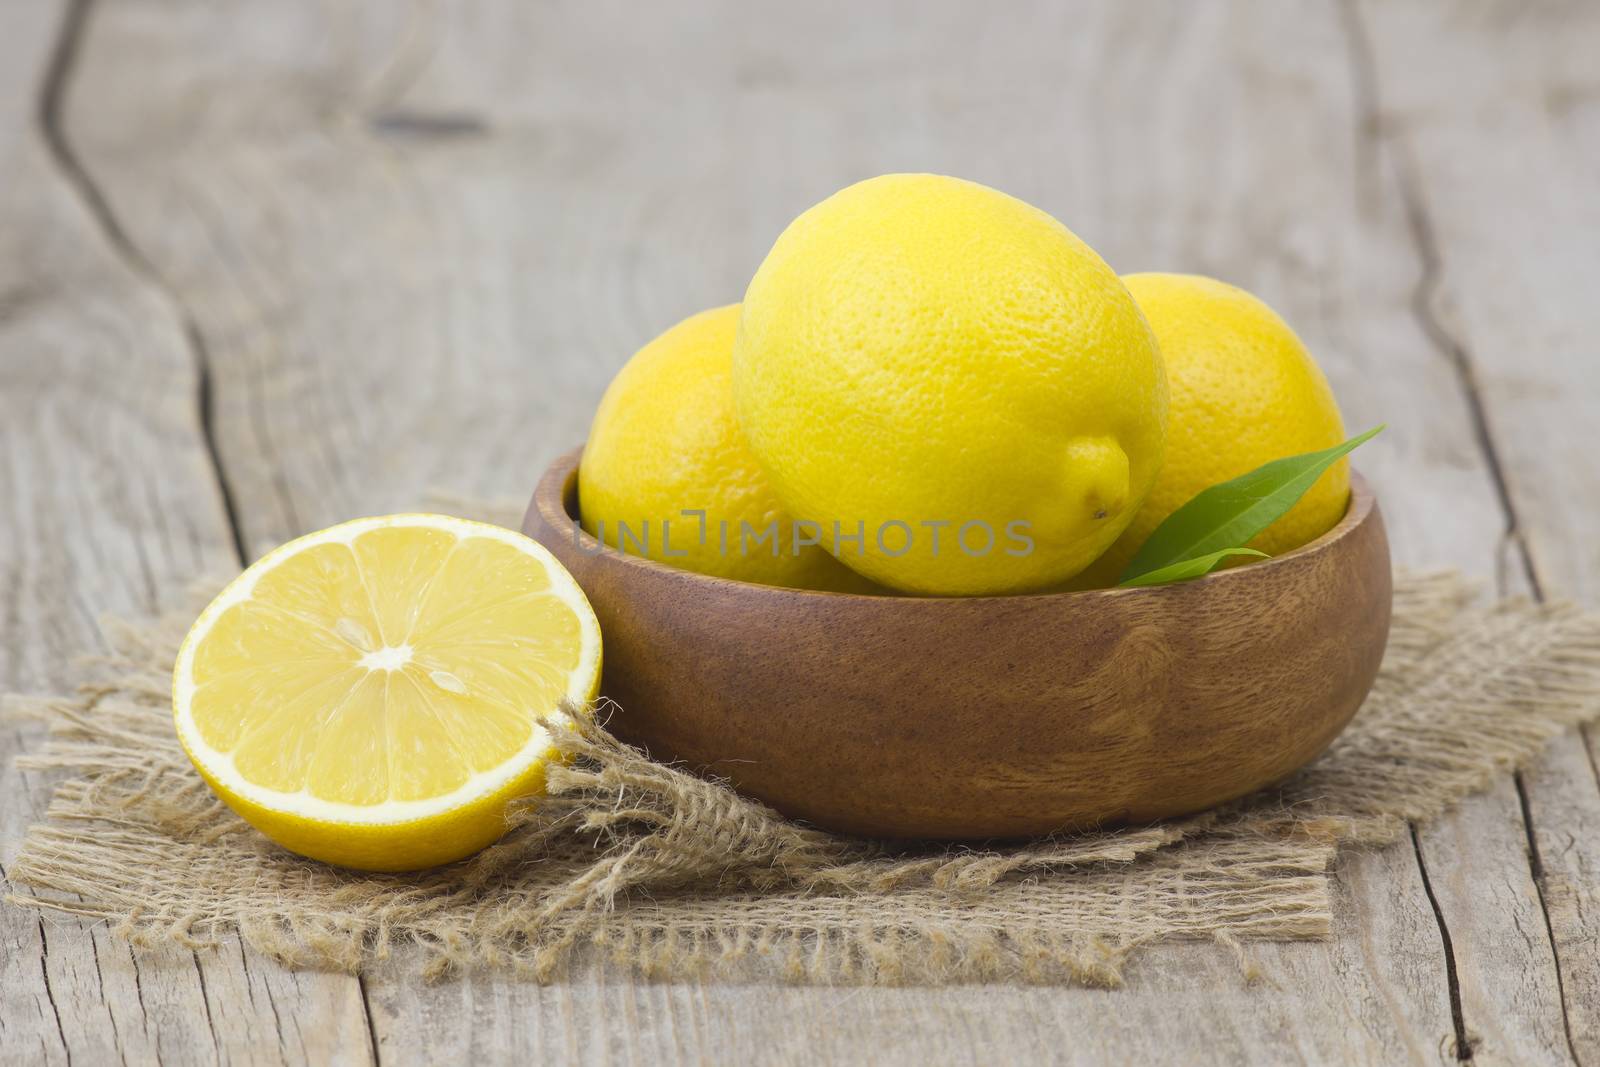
(651, 232)
(393, 227)
(985, 717)
(109, 503)
(651, 211)
(1492, 117)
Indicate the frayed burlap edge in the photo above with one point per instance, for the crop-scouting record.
(674, 874)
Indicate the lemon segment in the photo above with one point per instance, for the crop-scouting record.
(373, 695)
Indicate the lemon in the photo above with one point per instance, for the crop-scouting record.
(374, 695)
(667, 473)
(953, 377)
(1244, 392)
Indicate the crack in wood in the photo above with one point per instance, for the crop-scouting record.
(428, 125)
(100, 984)
(49, 992)
(205, 1001)
(1536, 863)
(57, 76)
(1424, 309)
(1364, 87)
(1463, 1042)
(372, 1028)
(138, 995)
(44, 972)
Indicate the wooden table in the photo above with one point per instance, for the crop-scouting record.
(264, 267)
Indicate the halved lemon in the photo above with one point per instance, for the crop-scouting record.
(374, 694)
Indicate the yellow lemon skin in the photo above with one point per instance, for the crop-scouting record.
(378, 694)
(1245, 391)
(922, 350)
(405, 846)
(665, 441)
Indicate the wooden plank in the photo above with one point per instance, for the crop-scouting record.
(1184, 1002)
(506, 205)
(109, 503)
(1492, 110)
(1332, 252)
(463, 251)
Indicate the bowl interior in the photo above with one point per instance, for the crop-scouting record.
(557, 499)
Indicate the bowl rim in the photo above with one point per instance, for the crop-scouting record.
(549, 500)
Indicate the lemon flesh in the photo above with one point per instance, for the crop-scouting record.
(667, 473)
(955, 377)
(1244, 391)
(373, 695)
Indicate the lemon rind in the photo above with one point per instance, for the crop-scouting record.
(219, 765)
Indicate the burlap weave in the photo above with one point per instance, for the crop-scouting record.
(676, 874)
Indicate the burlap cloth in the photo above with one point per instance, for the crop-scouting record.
(675, 874)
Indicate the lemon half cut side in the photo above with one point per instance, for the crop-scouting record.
(373, 695)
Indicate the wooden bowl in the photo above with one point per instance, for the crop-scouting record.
(987, 717)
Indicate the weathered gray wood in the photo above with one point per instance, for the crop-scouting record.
(1492, 111)
(392, 229)
(378, 266)
(1509, 985)
(1182, 1004)
(108, 503)
(1185, 1003)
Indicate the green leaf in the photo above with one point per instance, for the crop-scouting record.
(1229, 514)
(1189, 568)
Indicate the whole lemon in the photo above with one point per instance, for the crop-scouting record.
(665, 445)
(1244, 392)
(956, 380)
